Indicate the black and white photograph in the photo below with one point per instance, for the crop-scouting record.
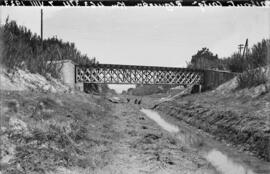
(143, 89)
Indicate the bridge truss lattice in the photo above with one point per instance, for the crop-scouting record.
(129, 74)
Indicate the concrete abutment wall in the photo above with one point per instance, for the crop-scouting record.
(67, 74)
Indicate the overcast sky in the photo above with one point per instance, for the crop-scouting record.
(148, 36)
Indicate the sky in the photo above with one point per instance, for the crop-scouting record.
(154, 36)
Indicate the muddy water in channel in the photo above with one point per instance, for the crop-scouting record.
(224, 158)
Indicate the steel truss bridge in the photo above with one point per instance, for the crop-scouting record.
(131, 74)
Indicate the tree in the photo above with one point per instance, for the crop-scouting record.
(204, 59)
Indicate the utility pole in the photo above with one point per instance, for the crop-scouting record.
(240, 47)
(245, 49)
(41, 26)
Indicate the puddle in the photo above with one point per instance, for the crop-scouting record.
(219, 160)
(224, 164)
(157, 118)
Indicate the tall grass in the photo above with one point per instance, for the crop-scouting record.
(249, 65)
(23, 49)
(257, 56)
(252, 66)
(251, 78)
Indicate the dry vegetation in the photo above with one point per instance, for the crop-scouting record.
(26, 50)
(252, 78)
(249, 65)
(22, 49)
(42, 132)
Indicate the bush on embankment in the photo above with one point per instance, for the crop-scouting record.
(252, 78)
(24, 49)
(20, 48)
(256, 56)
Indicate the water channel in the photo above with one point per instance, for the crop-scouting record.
(225, 159)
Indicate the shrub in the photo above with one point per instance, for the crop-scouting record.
(251, 78)
(236, 63)
(256, 57)
(23, 49)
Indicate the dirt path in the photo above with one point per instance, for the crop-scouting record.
(143, 147)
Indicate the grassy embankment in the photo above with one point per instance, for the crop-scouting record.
(240, 116)
(239, 111)
(42, 132)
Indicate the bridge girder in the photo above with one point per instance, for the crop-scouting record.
(130, 74)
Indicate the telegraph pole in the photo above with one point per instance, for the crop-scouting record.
(245, 49)
(41, 26)
(240, 47)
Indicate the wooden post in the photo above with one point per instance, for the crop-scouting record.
(41, 26)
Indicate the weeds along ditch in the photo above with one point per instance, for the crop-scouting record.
(249, 131)
(42, 132)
